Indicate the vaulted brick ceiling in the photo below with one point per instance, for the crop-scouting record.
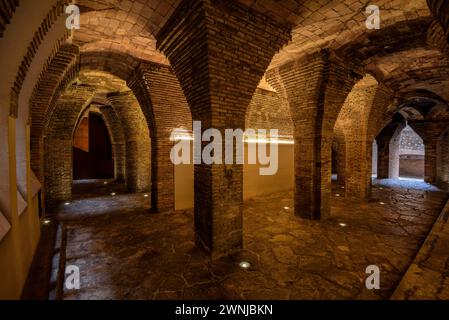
(123, 25)
(397, 54)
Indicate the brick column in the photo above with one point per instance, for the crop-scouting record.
(316, 87)
(138, 145)
(219, 50)
(362, 107)
(388, 150)
(431, 133)
(118, 142)
(340, 160)
(58, 141)
(160, 94)
(443, 158)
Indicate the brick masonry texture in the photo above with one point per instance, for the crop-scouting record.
(431, 133)
(151, 66)
(7, 7)
(59, 143)
(316, 88)
(269, 110)
(359, 121)
(219, 50)
(117, 135)
(39, 36)
(47, 91)
(161, 100)
(308, 68)
(137, 139)
(156, 85)
(440, 8)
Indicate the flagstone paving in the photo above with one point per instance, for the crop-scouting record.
(126, 252)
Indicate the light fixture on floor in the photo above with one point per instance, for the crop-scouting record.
(382, 203)
(245, 265)
(113, 194)
(145, 195)
(46, 221)
(337, 195)
(286, 208)
(67, 204)
(341, 224)
(105, 182)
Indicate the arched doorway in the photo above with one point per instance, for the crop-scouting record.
(92, 149)
(411, 155)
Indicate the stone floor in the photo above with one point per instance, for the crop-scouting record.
(125, 252)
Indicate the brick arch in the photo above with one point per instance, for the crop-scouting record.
(156, 86)
(137, 139)
(397, 37)
(351, 129)
(388, 148)
(58, 144)
(117, 135)
(117, 63)
(437, 38)
(58, 72)
(8, 8)
(160, 97)
(39, 37)
(131, 138)
(440, 9)
(413, 44)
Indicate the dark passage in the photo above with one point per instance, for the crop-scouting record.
(92, 151)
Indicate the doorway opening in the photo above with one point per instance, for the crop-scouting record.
(92, 149)
(411, 155)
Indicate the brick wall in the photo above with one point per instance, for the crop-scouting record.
(269, 110)
(219, 50)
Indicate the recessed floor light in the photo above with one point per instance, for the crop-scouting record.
(382, 203)
(342, 224)
(105, 182)
(46, 221)
(245, 265)
(145, 195)
(67, 204)
(337, 195)
(113, 194)
(286, 208)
